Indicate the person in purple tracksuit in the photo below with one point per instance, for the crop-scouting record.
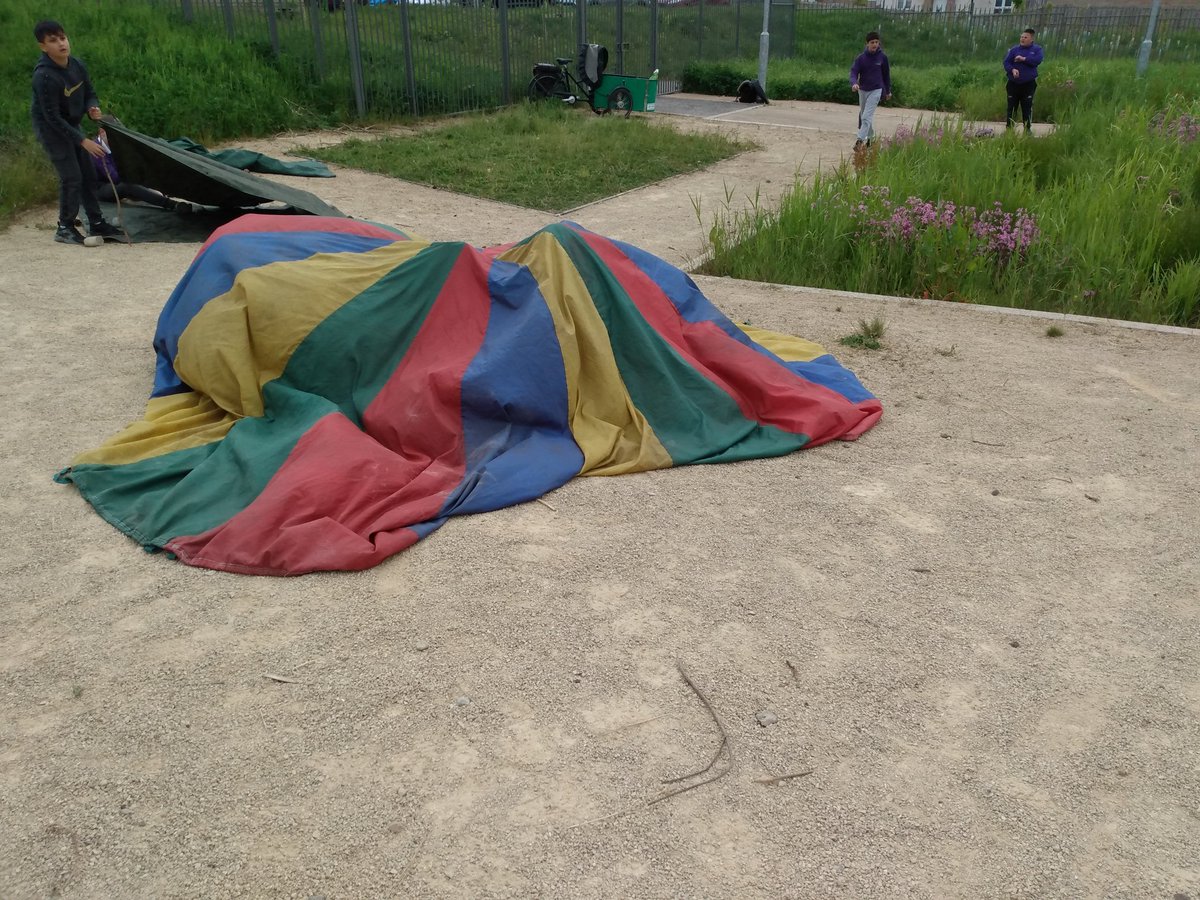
(1021, 71)
(871, 79)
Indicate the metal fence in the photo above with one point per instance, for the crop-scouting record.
(1063, 31)
(422, 57)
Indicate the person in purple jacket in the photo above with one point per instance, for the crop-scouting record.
(871, 79)
(1021, 70)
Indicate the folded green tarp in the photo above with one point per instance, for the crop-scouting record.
(253, 161)
(157, 164)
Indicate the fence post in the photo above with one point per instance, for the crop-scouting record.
(1144, 53)
(620, 35)
(700, 31)
(314, 21)
(505, 74)
(581, 22)
(764, 45)
(410, 74)
(355, 52)
(189, 14)
(737, 27)
(272, 25)
(653, 35)
(227, 10)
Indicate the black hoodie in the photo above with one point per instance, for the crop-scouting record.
(61, 97)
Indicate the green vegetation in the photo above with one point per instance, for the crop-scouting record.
(579, 157)
(157, 75)
(1100, 218)
(974, 89)
(1053, 331)
(869, 335)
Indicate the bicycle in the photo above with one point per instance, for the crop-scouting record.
(556, 81)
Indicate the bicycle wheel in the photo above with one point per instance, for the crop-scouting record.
(620, 100)
(543, 87)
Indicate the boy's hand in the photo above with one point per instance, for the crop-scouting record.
(854, 87)
(1016, 73)
(92, 147)
(887, 96)
(94, 113)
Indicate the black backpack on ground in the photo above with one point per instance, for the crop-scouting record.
(751, 92)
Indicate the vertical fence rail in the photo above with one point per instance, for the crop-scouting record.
(318, 39)
(505, 62)
(354, 49)
(653, 34)
(272, 25)
(410, 70)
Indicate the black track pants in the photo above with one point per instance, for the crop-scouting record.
(76, 182)
(1021, 94)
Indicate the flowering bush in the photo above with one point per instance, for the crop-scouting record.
(1184, 127)
(994, 233)
(935, 133)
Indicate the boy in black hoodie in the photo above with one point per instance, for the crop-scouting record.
(62, 93)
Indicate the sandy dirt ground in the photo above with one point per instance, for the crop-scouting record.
(975, 628)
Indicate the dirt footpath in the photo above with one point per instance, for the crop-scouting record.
(974, 629)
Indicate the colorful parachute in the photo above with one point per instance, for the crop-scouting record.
(329, 391)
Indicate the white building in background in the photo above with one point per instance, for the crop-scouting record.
(978, 7)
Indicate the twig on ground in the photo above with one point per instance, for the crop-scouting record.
(279, 678)
(792, 667)
(545, 504)
(633, 724)
(720, 727)
(722, 748)
(985, 443)
(612, 815)
(778, 778)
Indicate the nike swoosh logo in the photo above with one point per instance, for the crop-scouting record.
(68, 91)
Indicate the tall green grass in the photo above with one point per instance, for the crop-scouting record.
(1114, 194)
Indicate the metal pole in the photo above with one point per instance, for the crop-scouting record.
(227, 10)
(764, 45)
(1144, 56)
(653, 33)
(620, 35)
(410, 72)
(356, 67)
(272, 25)
(737, 27)
(314, 20)
(505, 62)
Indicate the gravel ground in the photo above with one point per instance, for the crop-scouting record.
(975, 628)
